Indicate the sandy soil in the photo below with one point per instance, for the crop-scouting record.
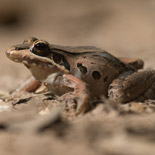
(124, 28)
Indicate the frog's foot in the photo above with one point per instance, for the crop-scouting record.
(60, 84)
(133, 86)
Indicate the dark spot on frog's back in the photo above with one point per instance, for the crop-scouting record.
(60, 59)
(66, 64)
(57, 58)
(96, 75)
(82, 68)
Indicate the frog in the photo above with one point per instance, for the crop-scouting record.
(87, 72)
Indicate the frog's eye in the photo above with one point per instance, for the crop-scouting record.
(40, 48)
(29, 40)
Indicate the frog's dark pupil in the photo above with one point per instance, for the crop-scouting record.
(40, 46)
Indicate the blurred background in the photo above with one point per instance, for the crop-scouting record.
(122, 27)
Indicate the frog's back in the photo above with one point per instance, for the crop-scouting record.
(98, 69)
(95, 66)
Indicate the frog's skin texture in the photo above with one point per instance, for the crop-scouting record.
(85, 69)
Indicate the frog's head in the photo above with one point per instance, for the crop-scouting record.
(36, 56)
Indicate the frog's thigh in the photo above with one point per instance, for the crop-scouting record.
(130, 86)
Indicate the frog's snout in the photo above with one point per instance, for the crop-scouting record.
(12, 54)
(9, 52)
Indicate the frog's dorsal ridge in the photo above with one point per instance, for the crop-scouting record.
(76, 49)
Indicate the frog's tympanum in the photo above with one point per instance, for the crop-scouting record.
(85, 70)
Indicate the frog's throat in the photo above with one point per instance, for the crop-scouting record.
(43, 64)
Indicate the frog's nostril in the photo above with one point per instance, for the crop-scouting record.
(8, 54)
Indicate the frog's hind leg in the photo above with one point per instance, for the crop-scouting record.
(149, 94)
(133, 86)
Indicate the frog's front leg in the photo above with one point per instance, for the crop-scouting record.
(60, 84)
(133, 86)
(29, 85)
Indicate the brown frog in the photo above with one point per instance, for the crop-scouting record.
(87, 70)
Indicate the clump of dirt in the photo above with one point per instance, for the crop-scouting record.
(41, 124)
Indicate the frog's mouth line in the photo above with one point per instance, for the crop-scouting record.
(30, 60)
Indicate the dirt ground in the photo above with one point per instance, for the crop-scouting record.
(38, 125)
